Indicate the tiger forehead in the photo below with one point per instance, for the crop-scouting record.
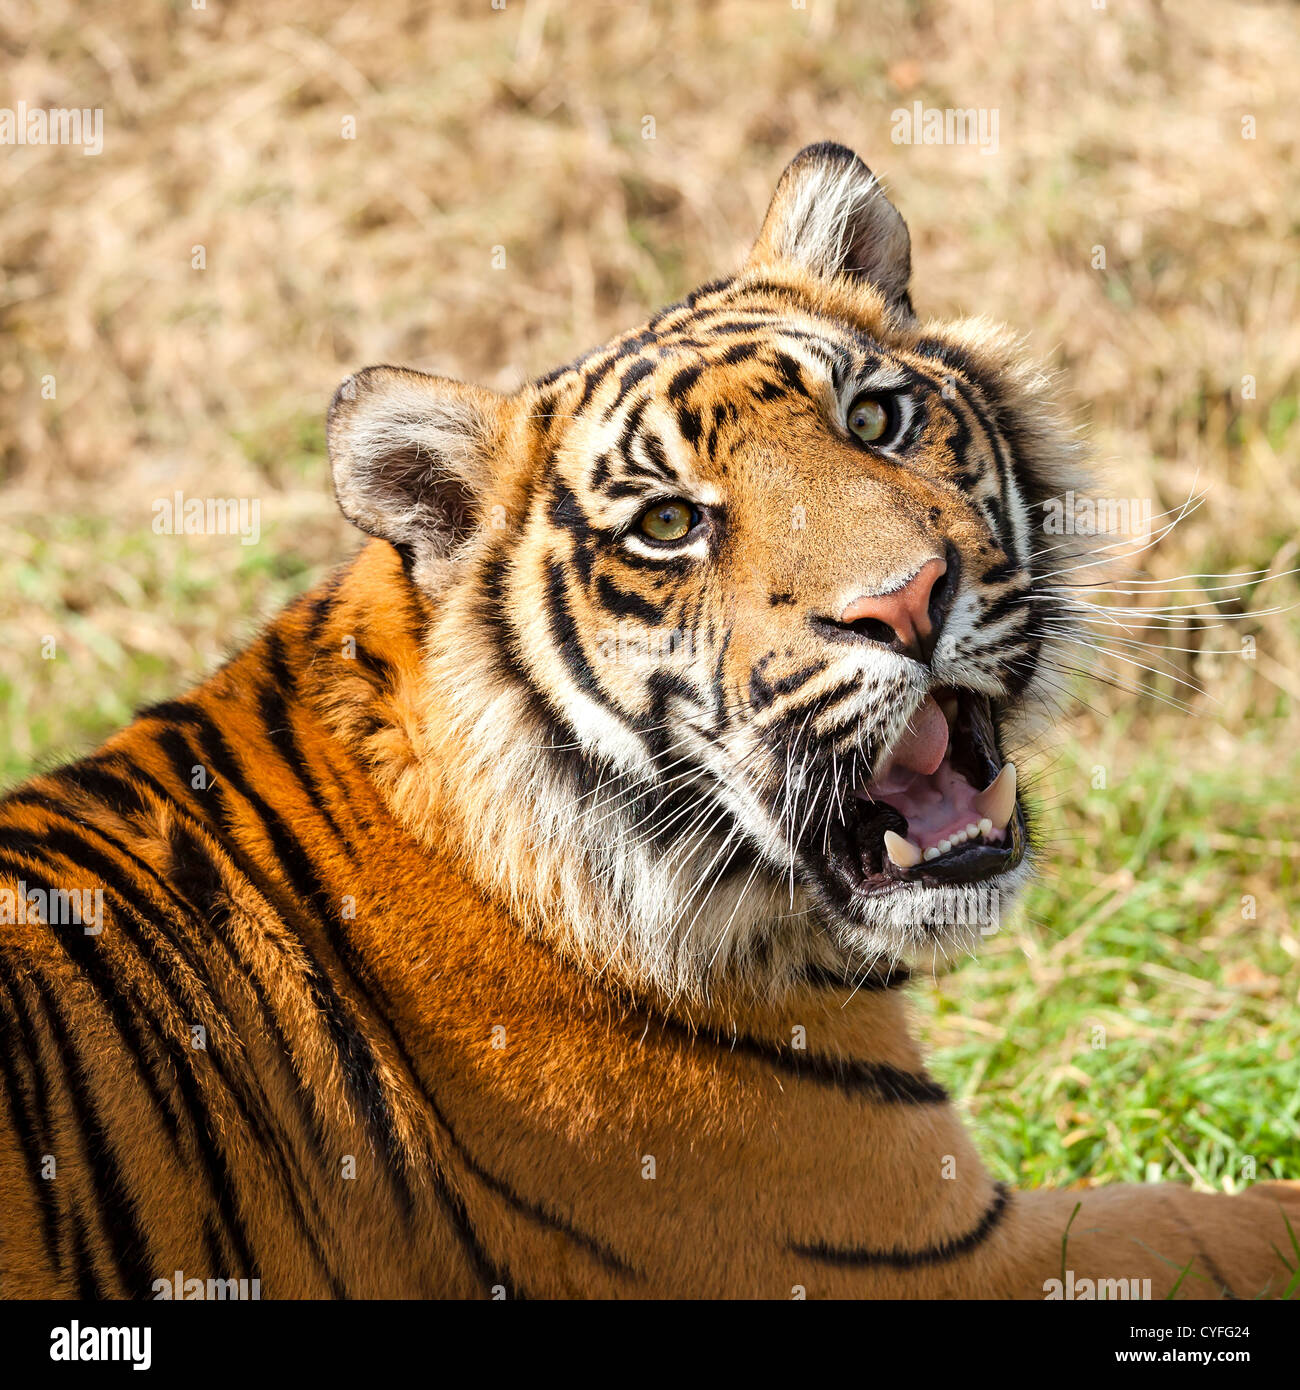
(663, 411)
(703, 367)
(723, 324)
(740, 354)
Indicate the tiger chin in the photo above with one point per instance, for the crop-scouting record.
(527, 910)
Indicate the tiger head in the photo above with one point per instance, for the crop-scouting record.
(736, 617)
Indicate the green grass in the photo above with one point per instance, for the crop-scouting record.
(160, 614)
(1136, 1024)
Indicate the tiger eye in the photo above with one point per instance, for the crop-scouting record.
(668, 521)
(868, 419)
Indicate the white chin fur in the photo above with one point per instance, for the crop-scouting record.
(919, 920)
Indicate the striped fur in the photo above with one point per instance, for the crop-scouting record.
(458, 943)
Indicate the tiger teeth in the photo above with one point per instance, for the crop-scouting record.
(996, 805)
(907, 853)
(998, 800)
(902, 852)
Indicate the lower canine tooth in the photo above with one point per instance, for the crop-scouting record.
(903, 852)
(998, 800)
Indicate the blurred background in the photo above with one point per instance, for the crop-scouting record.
(287, 192)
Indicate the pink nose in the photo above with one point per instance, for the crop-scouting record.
(905, 612)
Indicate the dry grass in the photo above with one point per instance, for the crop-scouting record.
(522, 128)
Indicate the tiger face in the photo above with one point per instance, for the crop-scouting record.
(735, 616)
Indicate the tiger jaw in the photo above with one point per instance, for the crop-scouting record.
(922, 820)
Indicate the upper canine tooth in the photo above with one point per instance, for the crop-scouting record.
(903, 852)
(998, 800)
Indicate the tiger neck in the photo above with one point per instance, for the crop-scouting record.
(466, 790)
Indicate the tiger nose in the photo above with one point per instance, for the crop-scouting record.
(910, 618)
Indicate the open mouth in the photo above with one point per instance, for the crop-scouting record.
(940, 809)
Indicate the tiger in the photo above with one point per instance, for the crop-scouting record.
(529, 910)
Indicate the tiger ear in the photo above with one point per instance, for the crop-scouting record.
(411, 458)
(830, 216)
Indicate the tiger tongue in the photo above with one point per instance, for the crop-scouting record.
(922, 747)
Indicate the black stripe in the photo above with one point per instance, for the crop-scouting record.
(717, 286)
(638, 371)
(279, 729)
(824, 977)
(564, 633)
(136, 1039)
(790, 372)
(128, 1023)
(631, 427)
(1004, 604)
(96, 778)
(740, 352)
(378, 668)
(998, 442)
(796, 716)
(660, 467)
(763, 692)
(356, 1056)
(683, 380)
(858, 1258)
(116, 1207)
(18, 1038)
(876, 1081)
(539, 1214)
(321, 605)
(622, 603)
(565, 513)
(88, 1285)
